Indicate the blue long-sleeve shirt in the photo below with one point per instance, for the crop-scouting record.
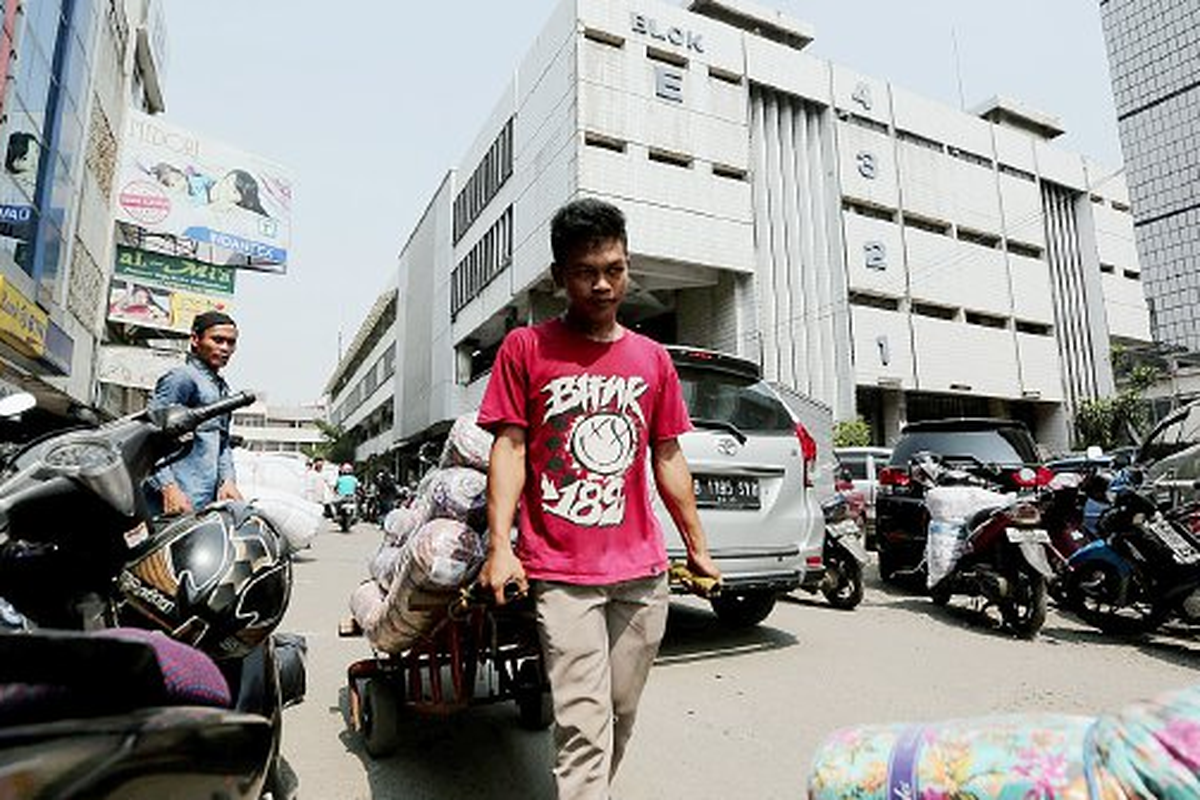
(210, 462)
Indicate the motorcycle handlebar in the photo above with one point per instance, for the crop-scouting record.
(181, 420)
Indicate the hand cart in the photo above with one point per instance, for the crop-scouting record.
(478, 653)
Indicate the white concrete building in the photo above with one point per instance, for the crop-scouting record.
(886, 254)
(267, 428)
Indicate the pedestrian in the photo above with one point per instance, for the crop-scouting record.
(206, 473)
(575, 403)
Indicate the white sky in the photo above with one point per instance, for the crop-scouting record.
(369, 102)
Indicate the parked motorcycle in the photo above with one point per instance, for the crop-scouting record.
(101, 707)
(981, 543)
(1144, 569)
(843, 556)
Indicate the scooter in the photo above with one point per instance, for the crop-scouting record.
(843, 556)
(92, 708)
(345, 511)
(1144, 569)
(984, 544)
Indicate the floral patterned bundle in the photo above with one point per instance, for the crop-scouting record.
(1149, 749)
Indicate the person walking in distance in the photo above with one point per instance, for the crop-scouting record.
(575, 403)
(206, 473)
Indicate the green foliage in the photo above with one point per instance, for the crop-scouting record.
(852, 433)
(1110, 421)
(338, 447)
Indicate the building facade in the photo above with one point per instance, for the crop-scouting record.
(884, 254)
(1154, 59)
(265, 428)
(70, 69)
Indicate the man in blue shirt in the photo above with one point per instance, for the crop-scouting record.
(206, 473)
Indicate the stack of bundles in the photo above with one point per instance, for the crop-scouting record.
(1148, 749)
(274, 484)
(949, 507)
(431, 547)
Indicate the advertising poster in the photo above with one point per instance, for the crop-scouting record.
(164, 292)
(235, 206)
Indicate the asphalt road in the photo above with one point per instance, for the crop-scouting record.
(726, 715)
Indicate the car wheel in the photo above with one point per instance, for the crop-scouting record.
(743, 610)
(888, 564)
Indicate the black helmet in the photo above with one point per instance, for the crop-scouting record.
(216, 580)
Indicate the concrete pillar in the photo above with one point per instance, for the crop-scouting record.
(895, 414)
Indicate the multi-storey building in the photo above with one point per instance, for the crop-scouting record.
(266, 428)
(886, 254)
(1154, 58)
(69, 69)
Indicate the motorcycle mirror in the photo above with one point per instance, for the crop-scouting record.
(14, 405)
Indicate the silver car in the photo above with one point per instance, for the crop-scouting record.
(754, 464)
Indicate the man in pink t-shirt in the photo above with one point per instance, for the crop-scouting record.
(575, 404)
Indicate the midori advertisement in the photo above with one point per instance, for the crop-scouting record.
(236, 206)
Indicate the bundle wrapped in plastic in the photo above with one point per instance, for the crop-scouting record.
(297, 520)
(459, 493)
(271, 471)
(467, 445)
(949, 507)
(1148, 749)
(440, 557)
(400, 523)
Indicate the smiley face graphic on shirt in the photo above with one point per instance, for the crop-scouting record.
(601, 422)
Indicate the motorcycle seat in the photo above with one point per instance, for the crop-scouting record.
(46, 674)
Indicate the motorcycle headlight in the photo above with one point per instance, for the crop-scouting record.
(85, 456)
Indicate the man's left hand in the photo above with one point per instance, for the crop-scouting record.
(229, 491)
(702, 565)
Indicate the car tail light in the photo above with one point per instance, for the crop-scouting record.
(894, 476)
(808, 452)
(1028, 478)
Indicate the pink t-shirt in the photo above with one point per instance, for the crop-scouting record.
(590, 410)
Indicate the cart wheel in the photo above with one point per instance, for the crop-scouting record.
(380, 717)
(533, 699)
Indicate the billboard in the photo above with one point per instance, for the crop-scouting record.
(235, 206)
(151, 290)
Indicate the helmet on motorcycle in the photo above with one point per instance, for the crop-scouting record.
(216, 580)
(346, 468)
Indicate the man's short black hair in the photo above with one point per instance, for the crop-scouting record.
(208, 319)
(585, 223)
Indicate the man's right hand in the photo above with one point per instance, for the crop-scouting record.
(502, 568)
(174, 500)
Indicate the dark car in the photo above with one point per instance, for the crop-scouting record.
(995, 449)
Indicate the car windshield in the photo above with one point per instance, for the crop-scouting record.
(1180, 435)
(993, 446)
(749, 404)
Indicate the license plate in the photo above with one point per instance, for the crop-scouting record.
(1183, 552)
(727, 491)
(1028, 536)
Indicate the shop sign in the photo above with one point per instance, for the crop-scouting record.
(22, 324)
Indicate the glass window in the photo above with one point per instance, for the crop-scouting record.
(854, 466)
(748, 404)
(996, 446)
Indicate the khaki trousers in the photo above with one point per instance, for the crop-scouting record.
(599, 643)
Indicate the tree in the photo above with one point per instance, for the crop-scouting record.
(852, 433)
(338, 446)
(1110, 421)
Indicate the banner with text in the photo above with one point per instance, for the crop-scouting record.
(235, 206)
(158, 291)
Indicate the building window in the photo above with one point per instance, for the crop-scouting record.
(604, 142)
(604, 37)
(874, 301)
(933, 311)
(667, 157)
(490, 256)
(492, 173)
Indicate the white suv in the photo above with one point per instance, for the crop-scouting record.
(754, 462)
